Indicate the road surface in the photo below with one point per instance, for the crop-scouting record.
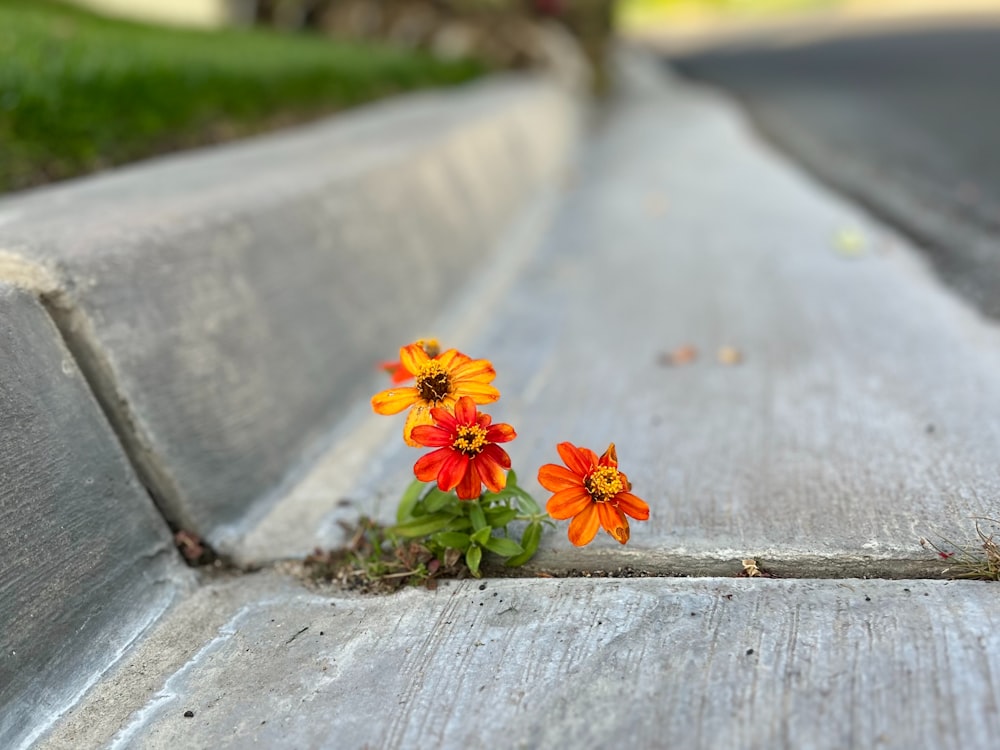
(908, 123)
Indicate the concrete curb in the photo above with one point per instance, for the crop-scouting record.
(226, 306)
(87, 563)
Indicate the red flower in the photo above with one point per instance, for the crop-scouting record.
(592, 492)
(467, 454)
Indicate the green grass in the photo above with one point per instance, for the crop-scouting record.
(80, 93)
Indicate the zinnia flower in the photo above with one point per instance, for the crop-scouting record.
(467, 455)
(399, 373)
(592, 492)
(440, 383)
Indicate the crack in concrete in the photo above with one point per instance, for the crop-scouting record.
(665, 566)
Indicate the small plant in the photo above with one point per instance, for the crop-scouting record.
(976, 561)
(448, 524)
(374, 561)
(465, 503)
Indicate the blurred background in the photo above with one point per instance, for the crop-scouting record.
(895, 102)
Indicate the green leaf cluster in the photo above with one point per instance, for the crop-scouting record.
(450, 527)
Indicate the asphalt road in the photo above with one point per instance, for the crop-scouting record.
(907, 123)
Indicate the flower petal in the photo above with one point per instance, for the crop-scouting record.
(397, 372)
(609, 457)
(480, 370)
(444, 418)
(584, 526)
(419, 414)
(490, 470)
(431, 436)
(578, 460)
(471, 485)
(413, 357)
(498, 455)
(394, 400)
(568, 503)
(554, 477)
(632, 506)
(465, 411)
(500, 433)
(452, 471)
(451, 357)
(613, 521)
(427, 468)
(479, 392)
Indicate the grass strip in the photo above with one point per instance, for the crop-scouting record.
(79, 92)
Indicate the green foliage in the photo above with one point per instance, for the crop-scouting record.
(447, 525)
(436, 535)
(79, 92)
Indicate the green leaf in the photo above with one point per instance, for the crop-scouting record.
(481, 536)
(452, 539)
(499, 517)
(503, 547)
(473, 556)
(527, 503)
(422, 526)
(511, 478)
(409, 501)
(477, 516)
(529, 542)
(435, 500)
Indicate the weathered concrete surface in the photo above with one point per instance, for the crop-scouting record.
(570, 663)
(858, 420)
(86, 562)
(228, 306)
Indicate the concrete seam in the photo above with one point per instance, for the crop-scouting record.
(97, 372)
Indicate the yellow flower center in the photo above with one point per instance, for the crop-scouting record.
(471, 439)
(603, 483)
(433, 382)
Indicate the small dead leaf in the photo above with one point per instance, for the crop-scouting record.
(750, 569)
(682, 355)
(190, 545)
(729, 355)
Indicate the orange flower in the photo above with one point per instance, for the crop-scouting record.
(440, 382)
(467, 454)
(592, 492)
(399, 373)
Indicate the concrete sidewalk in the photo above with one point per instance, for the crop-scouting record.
(858, 419)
